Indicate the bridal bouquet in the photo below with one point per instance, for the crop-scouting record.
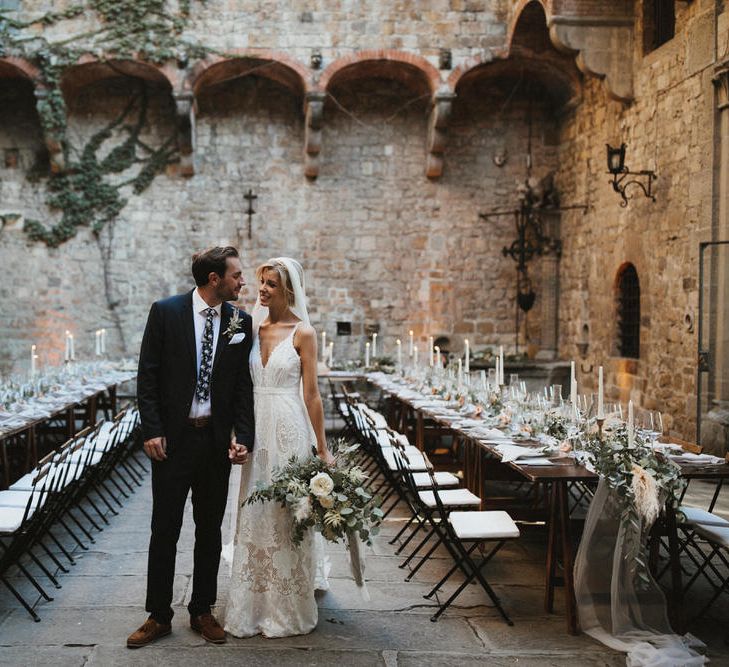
(332, 500)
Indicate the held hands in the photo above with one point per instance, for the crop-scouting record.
(238, 454)
(156, 448)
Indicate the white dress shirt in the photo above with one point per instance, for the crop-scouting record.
(202, 409)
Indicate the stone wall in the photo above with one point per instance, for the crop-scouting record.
(669, 129)
(384, 247)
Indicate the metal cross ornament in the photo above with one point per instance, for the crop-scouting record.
(250, 198)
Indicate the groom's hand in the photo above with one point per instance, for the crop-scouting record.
(238, 454)
(156, 448)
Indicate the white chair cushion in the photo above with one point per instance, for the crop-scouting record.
(383, 439)
(11, 518)
(378, 419)
(415, 461)
(25, 483)
(714, 534)
(20, 498)
(403, 439)
(491, 525)
(442, 479)
(450, 498)
(696, 515)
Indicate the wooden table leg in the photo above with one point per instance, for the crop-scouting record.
(6, 463)
(70, 423)
(420, 432)
(112, 401)
(551, 565)
(567, 557)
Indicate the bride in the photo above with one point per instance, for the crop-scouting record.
(273, 581)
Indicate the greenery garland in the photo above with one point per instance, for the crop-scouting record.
(641, 479)
(87, 189)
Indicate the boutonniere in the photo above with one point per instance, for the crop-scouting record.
(235, 324)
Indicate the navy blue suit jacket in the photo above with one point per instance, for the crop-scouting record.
(167, 374)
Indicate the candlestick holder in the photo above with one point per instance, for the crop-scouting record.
(600, 422)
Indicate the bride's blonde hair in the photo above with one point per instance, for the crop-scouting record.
(275, 264)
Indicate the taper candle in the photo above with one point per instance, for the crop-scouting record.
(600, 395)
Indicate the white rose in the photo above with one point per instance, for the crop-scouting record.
(321, 484)
(303, 509)
(326, 501)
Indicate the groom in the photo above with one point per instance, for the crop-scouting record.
(194, 389)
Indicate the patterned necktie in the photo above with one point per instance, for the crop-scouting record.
(202, 390)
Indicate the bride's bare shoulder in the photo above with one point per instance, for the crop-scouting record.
(305, 333)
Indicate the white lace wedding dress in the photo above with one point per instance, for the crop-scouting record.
(273, 581)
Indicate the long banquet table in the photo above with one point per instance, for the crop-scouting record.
(557, 476)
(21, 424)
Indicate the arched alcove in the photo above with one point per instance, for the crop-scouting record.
(21, 137)
(627, 312)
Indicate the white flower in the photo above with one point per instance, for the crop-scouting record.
(303, 509)
(295, 486)
(321, 484)
(357, 475)
(326, 502)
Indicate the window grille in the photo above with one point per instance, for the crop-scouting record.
(659, 23)
(628, 307)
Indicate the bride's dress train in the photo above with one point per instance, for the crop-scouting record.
(272, 580)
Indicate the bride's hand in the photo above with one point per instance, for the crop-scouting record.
(327, 457)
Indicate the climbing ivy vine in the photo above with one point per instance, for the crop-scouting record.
(88, 190)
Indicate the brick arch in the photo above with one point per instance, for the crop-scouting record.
(517, 17)
(276, 66)
(12, 67)
(412, 70)
(89, 70)
(529, 55)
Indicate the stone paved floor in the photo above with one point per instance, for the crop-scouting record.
(101, 602)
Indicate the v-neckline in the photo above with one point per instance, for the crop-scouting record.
(274, 348)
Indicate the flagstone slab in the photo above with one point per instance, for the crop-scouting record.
(42, 656)
(221, 656)
(443, 659)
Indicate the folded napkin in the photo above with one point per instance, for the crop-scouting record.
(701, 459)
(492, 434)
(513, 452)
(540, 461)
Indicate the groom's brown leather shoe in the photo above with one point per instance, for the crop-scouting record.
(149, 632)
(209, 628)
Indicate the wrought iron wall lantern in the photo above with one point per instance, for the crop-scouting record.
(616, 167)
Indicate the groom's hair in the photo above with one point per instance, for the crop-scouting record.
(212, 259)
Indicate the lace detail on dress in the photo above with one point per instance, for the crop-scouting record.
(272, 581)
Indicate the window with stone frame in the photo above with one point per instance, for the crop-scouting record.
(627, 297)
(659, 23)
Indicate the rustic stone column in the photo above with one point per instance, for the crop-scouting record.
(715, 424)
(52, 141)
(314, 115)
(185, 110)
(440, 115)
